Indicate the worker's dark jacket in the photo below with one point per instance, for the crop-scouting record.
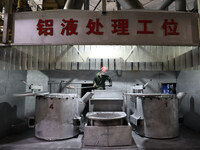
(100, 82)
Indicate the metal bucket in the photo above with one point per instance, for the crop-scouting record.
(156, 115)
(54, 116)
(106, 118)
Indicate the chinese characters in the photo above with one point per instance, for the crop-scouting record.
(69, 26)
(45, 27)
(96, 27)
(145, 31)
(120, 26)
(170, 27)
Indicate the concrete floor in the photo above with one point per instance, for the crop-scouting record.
(188, 140)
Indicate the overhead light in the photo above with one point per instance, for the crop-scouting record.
(105, 51)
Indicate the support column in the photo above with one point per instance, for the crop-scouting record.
(198, 6)
(103, 6)
(7, 21)
(118, 5)
(86, 4)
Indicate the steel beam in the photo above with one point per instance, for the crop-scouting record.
(86, 4)
(97, 5)
(74, 4)
(130, 4)
(165, 4)
(198, 6)
(180, 5)
(103, 6)
(118, 5)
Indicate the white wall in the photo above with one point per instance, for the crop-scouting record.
(189, 82)
(11, 108)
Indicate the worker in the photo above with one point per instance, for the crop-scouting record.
(100, 79)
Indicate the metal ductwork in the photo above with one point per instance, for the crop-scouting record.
(195, 6)
(74, 4)
(118, 5)
(180, 5)
(130, 4)
(164, 5)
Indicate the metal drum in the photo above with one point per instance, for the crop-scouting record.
(156, 115)
(54, 116)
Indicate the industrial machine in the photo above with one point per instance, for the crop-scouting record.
(155, 114)
(56, 114)
(107, 120)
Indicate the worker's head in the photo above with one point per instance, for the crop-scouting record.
(103, 70)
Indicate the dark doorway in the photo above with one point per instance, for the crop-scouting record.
(86, 87)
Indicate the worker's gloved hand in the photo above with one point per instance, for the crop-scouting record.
(110, 84)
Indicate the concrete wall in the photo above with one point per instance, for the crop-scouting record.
(37, 78)
(11, 108)
(189, 81)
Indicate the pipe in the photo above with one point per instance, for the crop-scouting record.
(86, 5)
(19, 4)
(180, 5)
(97, 5)
(74, 4)
(87, 96)
(129, 55)
(118, 5)
(180, 97)
(165, 4)
(195, 5)
(103, 6)
(25, 94)
(146, 83)
(82, 102)
(130, 4)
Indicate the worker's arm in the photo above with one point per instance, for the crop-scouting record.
(94, 82)
(109, 80)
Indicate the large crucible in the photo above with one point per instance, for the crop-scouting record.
(156, 115)
(56, 115)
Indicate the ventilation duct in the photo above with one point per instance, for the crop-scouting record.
(118, 5)
(164, 5)
(74, 4)
(195, 6)
(130, 4)
(180, 5)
